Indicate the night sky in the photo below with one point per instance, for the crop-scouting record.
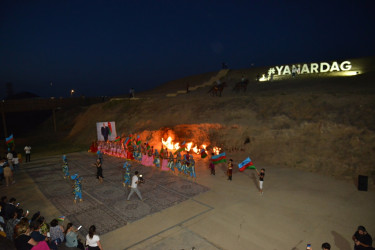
(106, 47)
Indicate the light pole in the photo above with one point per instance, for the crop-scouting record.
(71, 92)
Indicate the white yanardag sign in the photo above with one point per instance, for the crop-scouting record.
(311, 68)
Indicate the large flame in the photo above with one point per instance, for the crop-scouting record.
(175, 146)
(216, 150)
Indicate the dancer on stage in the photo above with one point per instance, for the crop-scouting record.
(77, 187)
(178, 163)
(171, 161)
(65, 170)
(99, 170)
(157, 159)
(127, 179)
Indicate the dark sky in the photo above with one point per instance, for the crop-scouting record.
(105, 47)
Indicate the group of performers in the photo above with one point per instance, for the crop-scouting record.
(148, 156)
(77, 180)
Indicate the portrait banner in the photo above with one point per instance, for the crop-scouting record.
(106, 131)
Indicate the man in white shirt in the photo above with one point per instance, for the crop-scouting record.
(134, 187)
(28, 153)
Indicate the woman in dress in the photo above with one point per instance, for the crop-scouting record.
(93, 240)
(99, 171)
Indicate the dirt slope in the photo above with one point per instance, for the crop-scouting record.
(321, 124)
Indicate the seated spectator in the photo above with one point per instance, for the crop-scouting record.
(93, 240)
(35, 217)
(10, 208)
(44, 227)
(71, 237)
(326, 246)
(22, 239)
(362, 240)
(3, 202)
(11, 223)
(56, 232)
(35, 234)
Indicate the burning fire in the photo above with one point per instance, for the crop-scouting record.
(189, 146)
(216, 150)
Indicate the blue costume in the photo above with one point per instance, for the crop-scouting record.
(192, 167)
(157, 159)
(178, 162)
(127, 179)
(171, 162)
(77, 191)
(100, 155)
(65, 170)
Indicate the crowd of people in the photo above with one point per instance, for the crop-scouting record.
(145, 154)
(35, 233)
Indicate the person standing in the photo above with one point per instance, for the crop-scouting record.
(28, 153)
(99, 171)
(134, 187)
(261, 179)
(212, 165)
(230, 169)
(362, 240)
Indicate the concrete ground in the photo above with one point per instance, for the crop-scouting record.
(297, 208)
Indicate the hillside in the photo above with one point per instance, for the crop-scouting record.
(320, 124)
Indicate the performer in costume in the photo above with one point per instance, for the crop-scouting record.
(65, 167)
(139, 153)
(157, 159)
(100, 155)
(192, 168)
(144, 155)
(186, 163)
(171, 161)
(127, 179)
(164, 162)
(135, 155)
(150, 156)
(65, 170)
(77, 187)
(230, 168)
(178, 162)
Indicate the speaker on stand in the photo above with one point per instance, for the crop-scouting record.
(362, 182)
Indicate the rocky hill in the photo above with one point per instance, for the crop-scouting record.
(318, 122)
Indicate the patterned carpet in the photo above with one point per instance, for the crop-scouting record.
(105, 204)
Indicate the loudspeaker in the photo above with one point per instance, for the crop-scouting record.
(362, 183)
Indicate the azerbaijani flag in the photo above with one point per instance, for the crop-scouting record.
(247, 163)
(203, 153)
(61, 218)
(148, 146)
(110, 128)
(10, 139)
(130, 140)
(126, 141)
(182, 148)
(138, 141)
(117, 138)
(216, 159)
